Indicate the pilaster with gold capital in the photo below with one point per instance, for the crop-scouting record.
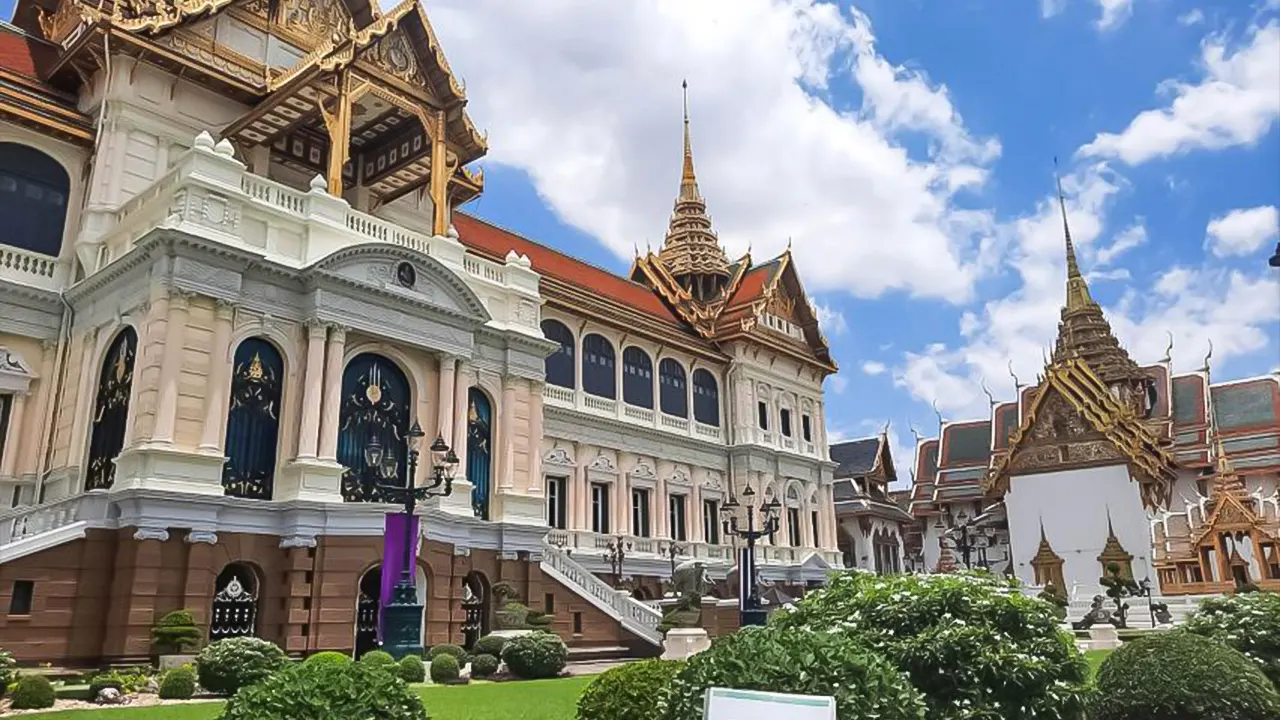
(312, 389)
(332, 392)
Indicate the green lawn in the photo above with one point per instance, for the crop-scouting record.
(1095, 658)
(530, 700)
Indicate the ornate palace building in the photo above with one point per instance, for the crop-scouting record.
(232, 266)
(1172, 477)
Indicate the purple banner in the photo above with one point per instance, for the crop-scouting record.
(393, 557)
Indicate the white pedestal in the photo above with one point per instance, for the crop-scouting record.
(508, 634)
(314, 480)
(168, 662)
(162, 467)
(684, 643)
(1103, 638)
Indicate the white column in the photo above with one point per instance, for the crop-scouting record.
(617, 383)
(9, 455)
(313, 388)
(507, 448)
(461, 388)
(216, 400)
(661, 520)
(693, 514)
(171, 367)
(446, 391)
(35, 439)
(657, 391)
(86, 398)
(536, 484)
(575, 490)
(331, 398)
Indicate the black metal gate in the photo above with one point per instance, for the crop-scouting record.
(474, 608)
(235, 603)
(367, 611)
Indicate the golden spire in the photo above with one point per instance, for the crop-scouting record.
(688, 181)
(1078, 296)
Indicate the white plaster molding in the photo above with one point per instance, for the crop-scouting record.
(297, 541)
(151, 533)
(558, 456)
(15, 374)
(202, 536)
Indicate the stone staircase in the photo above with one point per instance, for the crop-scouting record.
(636, 617)
(28, 530)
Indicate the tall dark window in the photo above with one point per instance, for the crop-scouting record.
(711, 521)
(706, 398)
(598, 375)
(375, 404)
(784, 417)
(556, 503)
(793, 526)
(559, 364)
(813, 522)
(806, 431)
(640, 512)
(253, 420)
(637, 378)
(600, 508)
(479, 450)
(762, 415)
(6, 402)
(33, 199)
(111, 410)
(675, 514)
(673, 395)
(23, 597)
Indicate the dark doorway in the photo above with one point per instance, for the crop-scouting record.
(367, 611)
(235, 603)
(475, 608)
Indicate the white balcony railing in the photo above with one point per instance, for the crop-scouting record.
(33, 269)
(584, 402)
(591, 545)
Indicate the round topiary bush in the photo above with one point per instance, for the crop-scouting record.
(483, 666)
(489, 645)
(176, 632)
(329, 657)
(8, 670)
(1179, 675)
(1248, 622)
(444, 669)
(327, 691)
(801, 662)
(453, 650)
(178, 684)
(228, 665)
(33, 692)
(536, 655)
(635, 691)
(972, 643)
(412, 670)
(380, 659)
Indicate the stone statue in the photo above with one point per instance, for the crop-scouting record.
(690, 582)
(1097, 615)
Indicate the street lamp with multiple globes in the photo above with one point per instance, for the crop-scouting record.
(616, 554)
(402, 621)
(749, 610)
(973, 535)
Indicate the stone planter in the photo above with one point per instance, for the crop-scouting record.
(510, 619)
(168, 662)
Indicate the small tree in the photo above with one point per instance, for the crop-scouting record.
(176, 632)
(1118, 588)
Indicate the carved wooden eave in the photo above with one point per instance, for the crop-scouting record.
(701, 317)
(785, 280)
(1230, 515)
(1131, 442)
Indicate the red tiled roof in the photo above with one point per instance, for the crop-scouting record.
(23, 55)
(495, 242)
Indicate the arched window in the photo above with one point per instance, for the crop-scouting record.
(560, 365)
(479, 450)
(375, 406)
(33, 199)
(253, 420)
(706, 398)
(673, 395)
(235, 603)
(598, 376)
(637, 378)
(111, 410)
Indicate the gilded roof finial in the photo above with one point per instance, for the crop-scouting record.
(1017, 384)
(938, 412)
(991, 400)
(1168, 351)
(1077, 289)
(1208, 356)
(914, 432)
(688, 181)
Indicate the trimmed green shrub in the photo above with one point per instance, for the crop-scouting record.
(798, 661)
(1179, 675)
(178, 684)
(635, 691)
(33, 692)
(379, 659)
(327, 691)
(228, 665)
(453, 650)
(972, 643)
(412, 670)
(536, 655)
(489, 645)
(444, 669)
(1248, 622)
(329, 657)
(8, 670)
(484, 665)
(126, 680)
(176, 632)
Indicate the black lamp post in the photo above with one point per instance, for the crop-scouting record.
(615, 555)
(973, 536)
(749, 610)
(673, 551)
(402, 619)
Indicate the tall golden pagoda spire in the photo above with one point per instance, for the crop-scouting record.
(1083, 329)
(691, 251)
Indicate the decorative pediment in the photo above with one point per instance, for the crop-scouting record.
(643, 470)
(407, 273)
(15, 374)
(558, 456)
(678, 477)
(603, 463)
(394, 54)
(713, 481)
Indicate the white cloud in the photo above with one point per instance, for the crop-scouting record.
(1235, 102)
(1126, 240)
(1194, 16)
(837, 383)
(584, 97)
(1114, 13)
(1243, 231)
(830, 319)
(872, 367)
(1049, 8)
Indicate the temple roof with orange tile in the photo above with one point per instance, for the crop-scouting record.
(25, 97)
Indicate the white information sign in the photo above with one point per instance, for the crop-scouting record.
(727, 704)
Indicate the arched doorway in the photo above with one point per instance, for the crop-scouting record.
(475, 608)
(111, 410)
(376, 402)
(369, 589)
(479, 450)
(235, 603)
(253, 420)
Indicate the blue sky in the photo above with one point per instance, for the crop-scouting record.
(906, 147)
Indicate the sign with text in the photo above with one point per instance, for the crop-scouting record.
(727, 704)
